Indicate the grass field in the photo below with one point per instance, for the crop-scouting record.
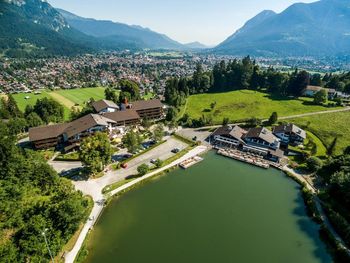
(80, 96)
(68, 98)
(327, 127)
(239, 105)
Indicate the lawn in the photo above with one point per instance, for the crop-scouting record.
(243, 104)
(80, 96)
(68, 98)
(22, 102)
(327, 127)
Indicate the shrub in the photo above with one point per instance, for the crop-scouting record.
(314, 164)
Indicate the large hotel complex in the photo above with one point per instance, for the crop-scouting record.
(108, 117)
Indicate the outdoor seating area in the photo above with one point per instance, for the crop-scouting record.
(254, 159)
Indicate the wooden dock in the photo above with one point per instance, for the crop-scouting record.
(190, 162)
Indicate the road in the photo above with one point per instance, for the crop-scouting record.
(64, 166)
(99, 199)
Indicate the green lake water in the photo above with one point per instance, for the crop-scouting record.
(217, 211)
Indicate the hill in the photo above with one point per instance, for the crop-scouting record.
(316, 29)
(34, 28)
(121, 34)
(196, 45)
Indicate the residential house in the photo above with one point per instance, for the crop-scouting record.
(289, 134)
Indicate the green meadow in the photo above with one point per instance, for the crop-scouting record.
(244, 104)
(327, 127)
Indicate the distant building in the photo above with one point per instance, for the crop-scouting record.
(310, 91)
(289, 134)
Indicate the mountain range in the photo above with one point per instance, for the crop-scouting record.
(317, 29)
(34, 28)
(120, 33)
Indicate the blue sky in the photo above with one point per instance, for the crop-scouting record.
(207, 21)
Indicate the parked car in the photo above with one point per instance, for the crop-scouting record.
(124, 165)
(153, 161)
(175, 150)
(194, 138)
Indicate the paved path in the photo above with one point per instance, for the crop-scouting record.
(320, 209)
(96, 193)
(289, 117)
(314, 113)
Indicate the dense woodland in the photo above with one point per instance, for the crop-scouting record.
(33, 199)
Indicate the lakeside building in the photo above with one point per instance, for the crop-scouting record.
(68, 135)
(290, 134)
(259, 141)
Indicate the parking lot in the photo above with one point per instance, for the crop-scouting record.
(162, 152)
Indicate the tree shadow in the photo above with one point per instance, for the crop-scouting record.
(311, 229)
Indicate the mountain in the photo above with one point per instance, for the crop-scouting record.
(114, 32)
(34, 28)
(195, 45)
(317, 29)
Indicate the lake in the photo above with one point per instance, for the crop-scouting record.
(220, 210)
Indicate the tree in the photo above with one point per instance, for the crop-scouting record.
(96, 152)
(158, 133)
(225, 121)
(132, 141)
(25, 178)
(111, 95)
(158, 163)
(143, 169)
(49, 110)
(12, 107)
(314, 164)
(34, 120)
(273, 118)
(253, 122)
(17, 125)
(171, 114)
(130, 87)
(146, 123)
(321, 97)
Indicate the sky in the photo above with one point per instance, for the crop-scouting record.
(207, 21)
